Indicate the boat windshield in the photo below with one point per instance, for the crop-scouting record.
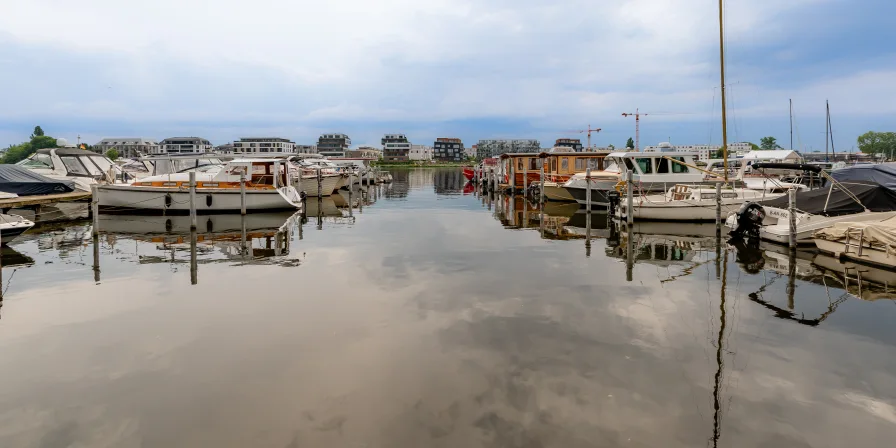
(37, 161)
(613, 165)
(74, 166)
(103, 163)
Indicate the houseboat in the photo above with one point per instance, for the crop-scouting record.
(561, 166)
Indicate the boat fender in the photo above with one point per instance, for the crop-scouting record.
(208, 200)
(168, 225)
(167, 200)
(209, 227)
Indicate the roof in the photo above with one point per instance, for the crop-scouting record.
(574, 153)
(126, 140)
(69, 152)
(652, 154)
(774, 154)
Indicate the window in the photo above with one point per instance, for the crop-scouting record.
(534, 165)
(72, 165)
(581, 164)
(564, 164)
(662, 166)
(103, 163)
(553, 164)
(679, 168)
(38, 161)
(645, 164)
(519, 165)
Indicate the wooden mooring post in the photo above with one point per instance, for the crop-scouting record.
(95, 209)
(242, 192)
(791, 207)
(629, 202)
(193, 200)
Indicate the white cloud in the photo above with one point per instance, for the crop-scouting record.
(392, 60)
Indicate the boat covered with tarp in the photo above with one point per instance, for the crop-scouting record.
(847, 198)
(24, 182)
(881, 173)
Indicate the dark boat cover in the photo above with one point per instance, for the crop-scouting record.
(24, 182)
(881, 173)
(875, 197)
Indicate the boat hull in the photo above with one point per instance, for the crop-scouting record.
(125, 198)
(328, 185)
(12, 226)
(555, 192)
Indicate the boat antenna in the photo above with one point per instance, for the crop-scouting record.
(722, 72)
(830, 130)
(827, 127)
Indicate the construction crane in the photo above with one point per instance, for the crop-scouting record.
(637, 116)
(589, 131)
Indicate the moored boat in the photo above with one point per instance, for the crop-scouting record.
(11, 226)
(268, 187)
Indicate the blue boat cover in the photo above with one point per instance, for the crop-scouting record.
(24, 182)
(881, 173)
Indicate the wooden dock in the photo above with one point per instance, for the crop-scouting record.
(35, 202)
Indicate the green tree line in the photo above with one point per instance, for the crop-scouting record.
(15, 153)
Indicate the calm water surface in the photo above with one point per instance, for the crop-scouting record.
(432, 317)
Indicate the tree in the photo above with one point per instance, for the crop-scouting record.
(768, 143)
(42, 141)
(15, 153)
(878, 143)
(611, 147)
(38, 132)
(112, 154)
(630, 144)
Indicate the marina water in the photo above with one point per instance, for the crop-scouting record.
(429, 315)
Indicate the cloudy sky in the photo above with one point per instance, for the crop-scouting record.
(473, 69)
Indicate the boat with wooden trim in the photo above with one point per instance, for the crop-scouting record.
(269, 186)
(560, 166)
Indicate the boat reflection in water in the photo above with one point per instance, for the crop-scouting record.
(253, 238)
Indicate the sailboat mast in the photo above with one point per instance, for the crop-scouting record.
(791, 124)
(724, 112)
(827, 126)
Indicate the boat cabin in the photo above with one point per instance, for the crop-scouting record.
(523, 168)
(72, 162)
(671, 167)
(560, 166)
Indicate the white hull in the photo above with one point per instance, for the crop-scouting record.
(872, 255)
(126, 197)
(676, 211)
(807, 225)
(328, 185)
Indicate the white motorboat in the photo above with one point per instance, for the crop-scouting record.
(11, 226)
(652, 172)
(327, 168)
(691, 203)
(268, 187)
(84, 168)
(815, 210)
(328, 183)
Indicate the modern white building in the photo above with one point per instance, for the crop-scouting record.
(128, 147)
(396, 148)
(420, 153)
(256, 145)
(184, 145)
(306, 149)
(705, 152)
